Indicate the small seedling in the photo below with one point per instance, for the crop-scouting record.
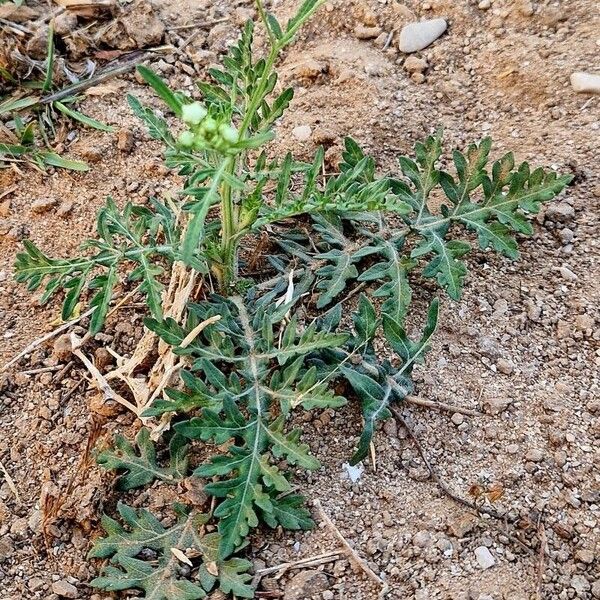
(257, 349)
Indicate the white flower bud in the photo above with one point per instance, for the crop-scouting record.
(228, 133)
(193, 113)
(186, 138)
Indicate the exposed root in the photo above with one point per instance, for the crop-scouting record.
(53, 500)
(99, 379)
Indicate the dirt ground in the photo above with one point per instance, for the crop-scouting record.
(522, 345)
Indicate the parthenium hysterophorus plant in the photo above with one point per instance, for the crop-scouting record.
(257, 361)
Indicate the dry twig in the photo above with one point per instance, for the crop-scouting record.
(10, 482)
(443, 406)
(351, 553)
(31, 347)
(309, 562)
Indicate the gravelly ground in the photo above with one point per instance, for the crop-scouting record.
(522, 344)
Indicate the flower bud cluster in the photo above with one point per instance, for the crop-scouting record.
(205, 131)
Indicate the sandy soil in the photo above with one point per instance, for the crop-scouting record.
(522, 345)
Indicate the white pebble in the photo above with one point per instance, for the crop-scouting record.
(585, 82)
(484, 557)
(302, 133)
(416, 36)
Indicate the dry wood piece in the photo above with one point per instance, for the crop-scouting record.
(31, 347)
(87, 8)
(351, 553)
(443, 406)
(309, 562)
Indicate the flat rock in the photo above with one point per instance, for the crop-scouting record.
(64, 589)
(419, 35)
(484, 557)
(43, 205)
(585, 82)
(307, 584)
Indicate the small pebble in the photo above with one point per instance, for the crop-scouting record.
(567, 274)
(526, 8)
(125, 141)
(64, 589)
(302, 133)
(484, 557)
(585, 556)
(458, 418)
(505, 366)
(534, 455)
(367, 33)
(580, 584)
(43, 205)
(495, 406)
(414, 64)
(422, 539)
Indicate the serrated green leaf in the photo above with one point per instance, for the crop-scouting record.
(161, 579)
(141, 467)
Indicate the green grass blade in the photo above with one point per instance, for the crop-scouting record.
(49, 61)
(9, 105)
(13, 150)
(54, 160)
(78, 116)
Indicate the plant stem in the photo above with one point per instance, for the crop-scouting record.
(228, 230)
(229, 215)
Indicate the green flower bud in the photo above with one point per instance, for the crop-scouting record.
(228, 133)
(193, 113)
(209, 125)
(186, 138)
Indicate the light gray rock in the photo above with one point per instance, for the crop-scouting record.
(561, 212)
(422, 539)
(64, 589)
(484, 557)
(567, 274)
(585, 82)
(419, 35)
(580, 584)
